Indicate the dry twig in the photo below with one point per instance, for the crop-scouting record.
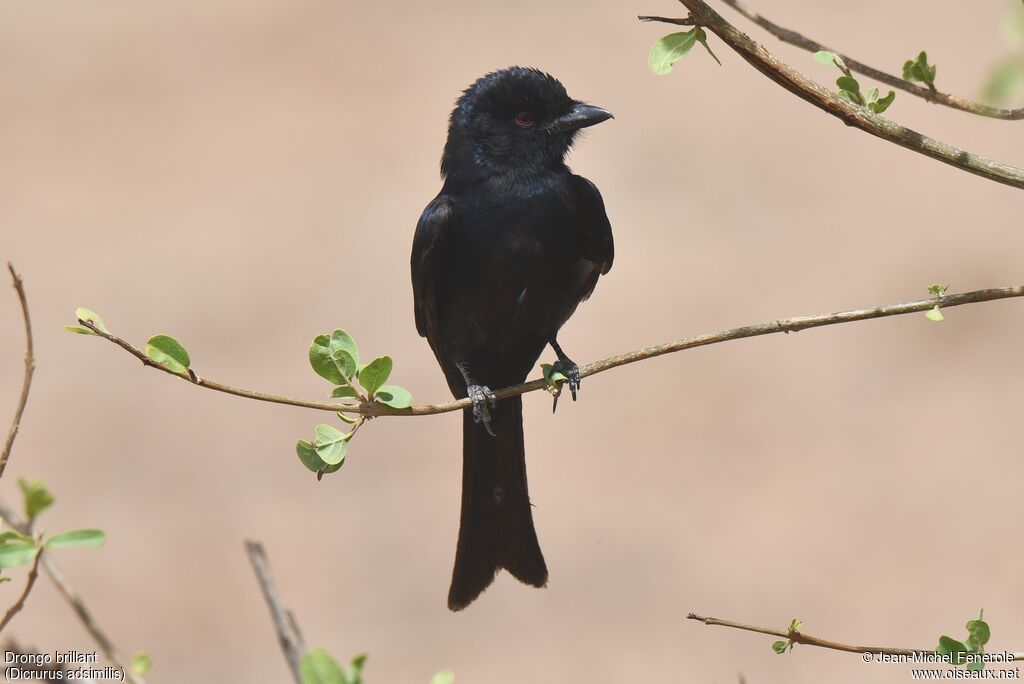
(782, 325)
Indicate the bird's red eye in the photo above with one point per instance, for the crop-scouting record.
(524, 119)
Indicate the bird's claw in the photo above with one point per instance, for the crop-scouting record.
(571, 371)
(482, 397)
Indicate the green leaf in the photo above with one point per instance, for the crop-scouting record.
(937, 290)
(344, 392)
(702, 38)
(852, 97)
(355, 672)
(443, 677)
(334, 357)
(979, 630)
(318, 667)
(15, 553)
(37, 497)
(394, 396)
(169, 353)
(953, 648)
(307, 454)
(879, 106)
(919, 70)
(77, 538)
(795, 624)
(848, 83)
(552, 377)
(83, 314)
(780, 647)
(826, 57)
(934, 314)
(141, 662)
(669, 49)
(8, 536)
(375, 374)
(328, 469)
(346, 418)
(331, 444)
(871, 95)
(908, 70)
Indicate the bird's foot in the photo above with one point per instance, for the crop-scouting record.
(571, 371)
(483, 400)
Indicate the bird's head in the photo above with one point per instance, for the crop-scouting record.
(514, 122)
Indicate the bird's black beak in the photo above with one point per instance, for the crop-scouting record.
(580, 116)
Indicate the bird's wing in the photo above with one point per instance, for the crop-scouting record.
(430, 231)
(595, 231)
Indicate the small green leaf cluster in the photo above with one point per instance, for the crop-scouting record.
(919, 70)
(163, 350)
(849, 87)
(780, 646)
(669, 49)
(553, 378)
(141, 663)
(335, 357)
(18, 549)
(960, 652)
(318, 667)
(933, 314)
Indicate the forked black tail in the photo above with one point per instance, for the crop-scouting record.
(496, 529)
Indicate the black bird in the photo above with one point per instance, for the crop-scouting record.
(500, 261)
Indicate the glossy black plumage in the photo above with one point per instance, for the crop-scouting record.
(501, 258)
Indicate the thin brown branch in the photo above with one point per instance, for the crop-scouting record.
(30, 367)
(12, 519)
(806, 639)
(284, 624)
(848, 112)
(33, 574)
(782, 325)
(929, 94)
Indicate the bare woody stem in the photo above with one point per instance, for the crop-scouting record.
(808, 640)
(73, 598)
(848, 112)
(30, 367)
(796, 39)
(33, 574)
(284, 624)
(782, 325)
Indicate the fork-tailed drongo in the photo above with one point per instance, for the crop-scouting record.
(500, 260)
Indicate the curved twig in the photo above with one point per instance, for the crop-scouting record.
(33, 574)
(806, 639)
(30, 367)
(801, 41)
(851, 114)
(12, 519)
(783, 325)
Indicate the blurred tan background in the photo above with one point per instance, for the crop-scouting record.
(244, 175)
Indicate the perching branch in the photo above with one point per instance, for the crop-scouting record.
(800, 41)
(782, 325)
(33, 574)
(850, 113)
(72, 597)
(800, 638)
(30, 366)
(284, 623)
